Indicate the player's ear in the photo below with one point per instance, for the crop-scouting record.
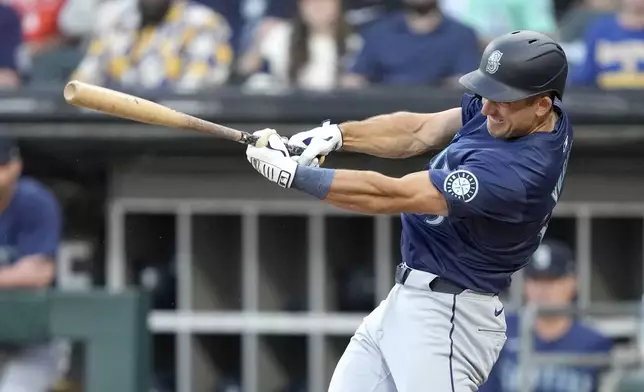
(543, 105)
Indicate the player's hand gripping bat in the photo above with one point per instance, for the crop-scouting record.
(134, 108)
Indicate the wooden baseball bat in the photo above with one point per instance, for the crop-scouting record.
(134, 108)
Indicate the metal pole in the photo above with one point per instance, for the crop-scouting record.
(526, 346)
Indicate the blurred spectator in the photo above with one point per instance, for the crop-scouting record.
(173, 45)
(614, 50)
(418, 46)
(260, 16)
(491, 18)
(307, 52)
(550, 281)
(11, 34)
(574, 23)
(39, 24)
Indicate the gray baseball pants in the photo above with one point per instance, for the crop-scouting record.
(422, 339)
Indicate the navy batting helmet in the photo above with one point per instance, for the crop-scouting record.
(519, 65)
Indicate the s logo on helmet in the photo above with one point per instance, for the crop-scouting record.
(493, 62)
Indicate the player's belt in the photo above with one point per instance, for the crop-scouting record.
(437, 284)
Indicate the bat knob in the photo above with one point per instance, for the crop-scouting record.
(70, 90)
(263, 140)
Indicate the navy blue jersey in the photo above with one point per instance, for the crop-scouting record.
(500, 196)
(31, 223)
(579, 339)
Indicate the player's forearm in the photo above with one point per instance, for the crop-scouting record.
(361, 191)
(387, 136)
(396, 135)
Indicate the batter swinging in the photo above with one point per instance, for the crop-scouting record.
(470, 218)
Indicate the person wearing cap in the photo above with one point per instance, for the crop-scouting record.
(550, 281)
(30, 230)
(471, 216)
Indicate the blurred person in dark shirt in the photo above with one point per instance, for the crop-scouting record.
(11, 33)
(614, 50)
(307, 52)
(417, 46)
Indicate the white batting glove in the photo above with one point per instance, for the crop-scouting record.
(320, 141)
(271, 159)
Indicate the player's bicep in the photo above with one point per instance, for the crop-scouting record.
(482, 189)
(439, 128)
(415, 193)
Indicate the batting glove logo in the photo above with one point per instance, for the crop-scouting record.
(272, 173)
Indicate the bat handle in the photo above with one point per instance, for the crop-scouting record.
(294, 150)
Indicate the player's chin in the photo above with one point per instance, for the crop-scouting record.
(499, 130)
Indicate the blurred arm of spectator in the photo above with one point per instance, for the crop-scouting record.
(277, 12)
(11, 33)
(251, 60)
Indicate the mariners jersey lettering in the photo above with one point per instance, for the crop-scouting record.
(500, 196)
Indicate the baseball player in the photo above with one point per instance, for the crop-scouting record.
(30, 227)
(470, 218)
(550, 281)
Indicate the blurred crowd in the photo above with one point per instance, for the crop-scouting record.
(189, 45)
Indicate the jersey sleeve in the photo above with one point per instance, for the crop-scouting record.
(470, 106)
(41, 229)
(482, 187)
